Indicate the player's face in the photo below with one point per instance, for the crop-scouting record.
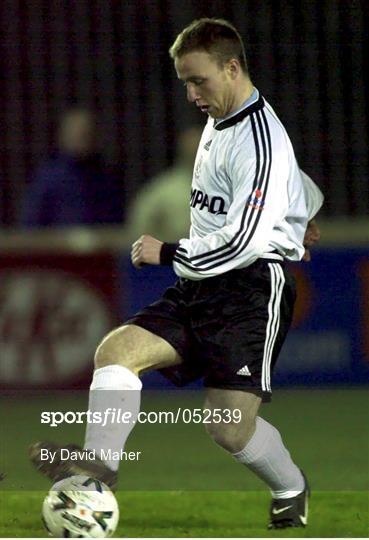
(208, 85)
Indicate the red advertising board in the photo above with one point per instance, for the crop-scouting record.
(54, 310)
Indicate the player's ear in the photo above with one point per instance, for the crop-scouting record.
(233, 68)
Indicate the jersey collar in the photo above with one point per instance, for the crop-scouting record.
(238, 117)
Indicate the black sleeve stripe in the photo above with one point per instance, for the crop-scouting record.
(255, 184)
(254, 214)
(261, 181)
(228, 245)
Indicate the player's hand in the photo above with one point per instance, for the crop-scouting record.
(146, 250)
(312, 235)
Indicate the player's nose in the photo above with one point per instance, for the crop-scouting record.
(192, 95)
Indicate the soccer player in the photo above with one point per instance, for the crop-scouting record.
(227, 315)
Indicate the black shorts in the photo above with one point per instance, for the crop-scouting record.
(228, 329)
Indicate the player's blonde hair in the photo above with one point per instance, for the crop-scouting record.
(217, 37)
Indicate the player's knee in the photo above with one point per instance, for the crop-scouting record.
(114, 350)
(233, 437)
(105, 353)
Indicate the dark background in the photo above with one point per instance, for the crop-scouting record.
(307, 58)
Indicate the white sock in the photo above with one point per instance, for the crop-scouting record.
(269, 459)
(112, 387)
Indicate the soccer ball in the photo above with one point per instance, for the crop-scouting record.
(80, 507)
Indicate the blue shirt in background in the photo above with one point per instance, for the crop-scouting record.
(69, 191)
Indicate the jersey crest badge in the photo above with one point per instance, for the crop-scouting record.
(256, 200)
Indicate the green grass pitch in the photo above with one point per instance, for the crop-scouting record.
(185, 486)
(201, 514)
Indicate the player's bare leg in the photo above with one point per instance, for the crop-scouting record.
(120, 358)
(258, 445)
(135, 349)
(232, 436)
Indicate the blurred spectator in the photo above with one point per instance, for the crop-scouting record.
(73, 187)
(162, 207)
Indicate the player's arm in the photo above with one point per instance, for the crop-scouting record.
(314, 197)
(260, 199)
(314, 200)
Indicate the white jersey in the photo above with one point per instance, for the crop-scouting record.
(249, 198)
